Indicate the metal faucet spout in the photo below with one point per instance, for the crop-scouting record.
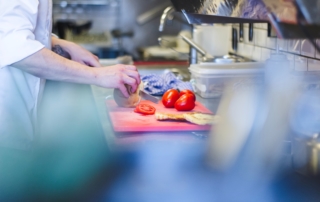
(167, 14)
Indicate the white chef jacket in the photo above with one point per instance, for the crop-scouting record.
(25, 28)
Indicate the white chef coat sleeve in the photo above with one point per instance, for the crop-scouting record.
(18, 19)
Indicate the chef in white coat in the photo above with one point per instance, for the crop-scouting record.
(26, 60)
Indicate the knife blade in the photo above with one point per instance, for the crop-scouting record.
(147, 96)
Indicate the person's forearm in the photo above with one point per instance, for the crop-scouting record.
(48, 65)
(56, 41)
(76, 52)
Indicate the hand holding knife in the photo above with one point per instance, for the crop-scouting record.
(143, 94)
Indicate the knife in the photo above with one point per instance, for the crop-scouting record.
(147, 96)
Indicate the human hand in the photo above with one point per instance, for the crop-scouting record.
(117, 76)
(77, 53)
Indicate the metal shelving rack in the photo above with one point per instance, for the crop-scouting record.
(80, 2)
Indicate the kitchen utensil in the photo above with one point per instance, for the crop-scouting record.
(241, 32)
(234, 39)
(250, 32)
(147, 96)
(126, 120)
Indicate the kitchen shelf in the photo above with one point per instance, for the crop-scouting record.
(89, 3)
(281, 14)
(194, 18)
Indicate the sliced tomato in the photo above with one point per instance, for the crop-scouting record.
(145, 109)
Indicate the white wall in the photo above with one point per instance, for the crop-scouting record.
(213, 38)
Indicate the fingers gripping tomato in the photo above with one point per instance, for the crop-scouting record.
(170, 97)
(185, 103)
(187, 91)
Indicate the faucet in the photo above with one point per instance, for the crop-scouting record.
(167, 14)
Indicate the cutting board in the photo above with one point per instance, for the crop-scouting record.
(125, 120)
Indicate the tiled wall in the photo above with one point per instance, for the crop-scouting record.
(301, 53)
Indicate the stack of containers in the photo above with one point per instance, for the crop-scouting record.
(209, 79)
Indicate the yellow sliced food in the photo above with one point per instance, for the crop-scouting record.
(198, 118)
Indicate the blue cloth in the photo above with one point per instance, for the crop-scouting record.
(158, 84)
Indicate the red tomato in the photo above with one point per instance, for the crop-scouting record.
(185, 103)
(187, 91)
(145, 109)
(170, 97)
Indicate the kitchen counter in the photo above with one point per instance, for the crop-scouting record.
(170, 164)
(174, 163)
(115, 140)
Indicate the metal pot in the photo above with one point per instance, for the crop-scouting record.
(305, 126)
(306, 155)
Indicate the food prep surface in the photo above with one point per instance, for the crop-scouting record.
(115, 139)
(126, 120)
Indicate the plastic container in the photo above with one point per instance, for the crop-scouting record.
(209, 79)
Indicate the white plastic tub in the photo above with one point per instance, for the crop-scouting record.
(209, 79)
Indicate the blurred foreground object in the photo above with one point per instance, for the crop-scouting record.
(305, 123)
(255, 122)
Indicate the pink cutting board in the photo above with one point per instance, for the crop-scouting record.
(126, 120)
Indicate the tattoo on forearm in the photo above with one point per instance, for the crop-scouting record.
(59, 50)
